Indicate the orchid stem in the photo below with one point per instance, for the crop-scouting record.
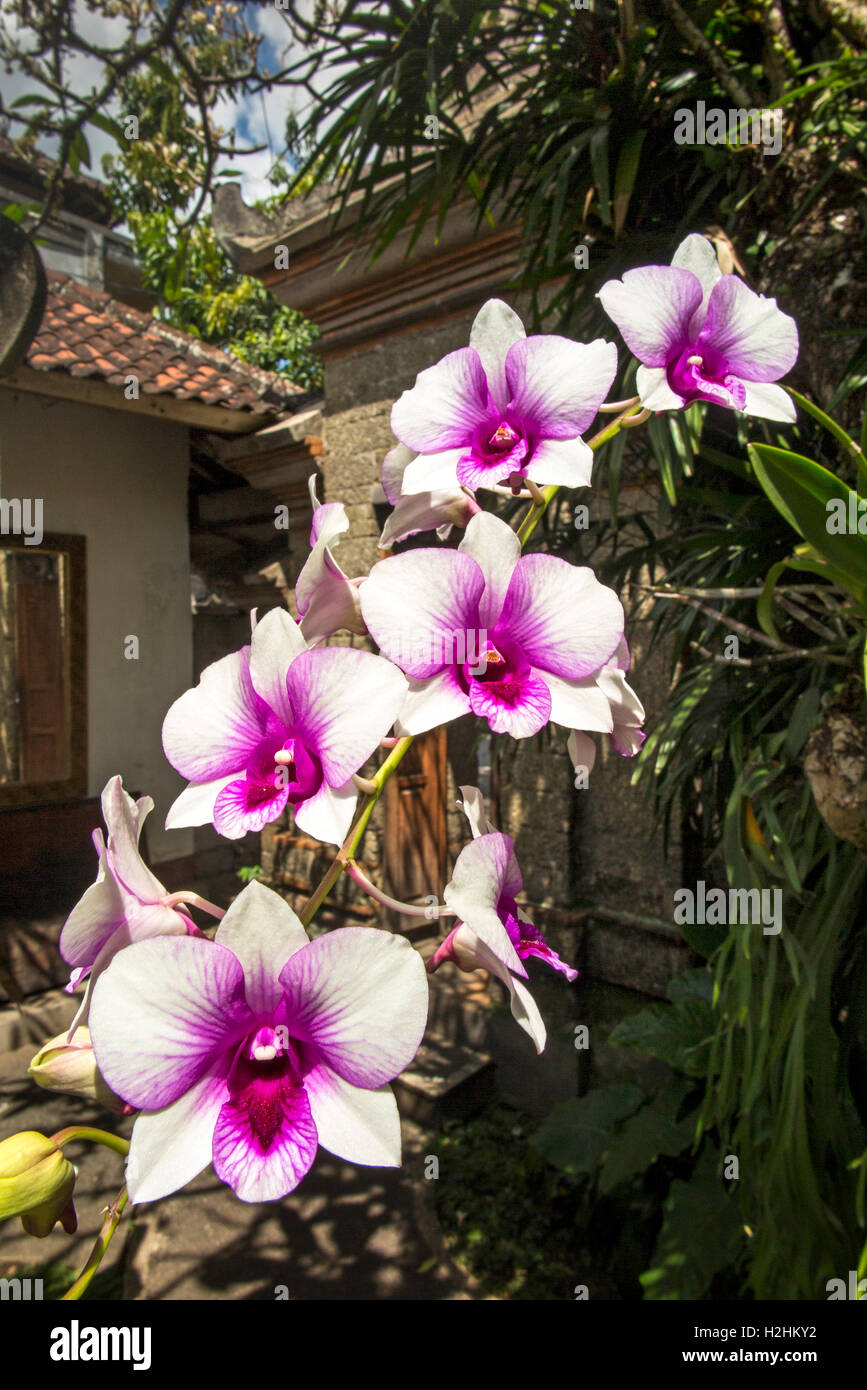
(408, 909)
(103, 1240)
(91, 1136)
(628, 416)
(185, 896)
(353, 839)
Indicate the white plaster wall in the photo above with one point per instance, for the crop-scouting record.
(120, 479)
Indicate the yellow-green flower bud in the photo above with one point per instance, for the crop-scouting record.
(70, 1067)
(36, 1183)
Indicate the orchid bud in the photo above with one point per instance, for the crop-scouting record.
(36, 1183)
(70, 1067)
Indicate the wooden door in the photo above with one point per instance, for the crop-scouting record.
(41, 685)
(415, 823)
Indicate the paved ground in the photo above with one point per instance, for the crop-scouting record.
(347, 1233)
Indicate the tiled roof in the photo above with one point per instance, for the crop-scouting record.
(86, 333)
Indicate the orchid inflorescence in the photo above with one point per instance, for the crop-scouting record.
(251, 1049)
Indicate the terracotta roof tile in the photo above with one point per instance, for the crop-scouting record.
(85, 332)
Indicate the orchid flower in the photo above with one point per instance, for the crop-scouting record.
(252, 1050)
(627, 713)
(275, 724)
(505, 409)
(482, 893)
(125, 904)
(545, 628)
(526, 938)
(703, 336)
(326, 598)
(423, 511)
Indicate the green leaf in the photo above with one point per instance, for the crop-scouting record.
(112, 128)
(830, 425)
(765, 603)
(800, 490)
(601, 176)
(701, 1235)
(648, 1134)
(802, 721)
(678, 1033)
(577, 1132)
(625, 176)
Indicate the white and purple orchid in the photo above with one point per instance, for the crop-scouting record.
(326, 598)
(544, 629)
(422, 511)
(126, 903)
(505, 409)
(278, 725)
(701, 335)
(252, 1050)
(489, 933)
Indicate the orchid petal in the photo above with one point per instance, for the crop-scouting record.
(426, 511)
(697, 255)
(360, 996)
(436, 700)
(343, 702)
(566, 462)
(275, 644)
(414, 603)
(495, 328)
(565, 621)
(327, 816)
(358, 1125)
(769, 402)
(262, 932)
(473, 807)
(212, 729)
(170, 1147)
(523, 1005)
(496, 550)
(124, 819)
(394, 465)
(757, 340)
(579, 704)
(161, 1014)
(262, 1167)
(195, 805)
(582, 750)
(95, 916)
(446, 405)
(430, 472)
(653, 308)
(244, 808)
(483, 870)
(654, 392)
(556, 385)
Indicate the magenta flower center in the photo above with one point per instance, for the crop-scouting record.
(505, 448)
(504, 673)
(700, 373)
(264, 1080)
